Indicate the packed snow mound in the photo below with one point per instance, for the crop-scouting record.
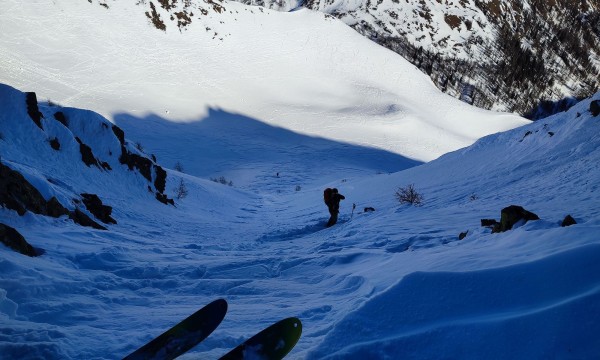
(303, 71)
(544, 308)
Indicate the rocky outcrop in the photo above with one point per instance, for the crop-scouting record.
(33, 110)
(509, 216)
(14, 240)
(568, 221)
(161, 178)
(61, 118)
(135, 161)
(119, 133)
(55, 209)
(87, 156)
(16, 193)
(144, 165)
(94, 205)
(513, 214)
(164, 199)
(595, 107)
(79, 217)
(55, 144)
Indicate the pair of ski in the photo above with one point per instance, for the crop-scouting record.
(272, 343)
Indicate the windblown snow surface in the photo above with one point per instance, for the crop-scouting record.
(281, 125)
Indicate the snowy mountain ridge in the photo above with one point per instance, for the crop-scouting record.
(101, 293)
(482, 52)
(485, 52)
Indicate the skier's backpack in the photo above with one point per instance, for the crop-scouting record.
(327, 196)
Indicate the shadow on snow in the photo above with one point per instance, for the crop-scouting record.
(251, 153)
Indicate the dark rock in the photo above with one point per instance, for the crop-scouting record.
(87, 156)
(61, 118)
(462, 235)
(164, 199)
(79, 217)
(488, 222)
(94, 205)
(33, 110)
(134, 161)
(16, 193)
(551, 133)
(368, 209)
(119, 133)
(105, 165)
(526, 135)
(161, 178)
(55, 209)
(595, 107)
(14, 240)
(568, 221)
(496, 228)
(511, 215)
(55, 144)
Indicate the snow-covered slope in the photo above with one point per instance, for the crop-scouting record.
(303, 71)
(281, 105)
(395, 282)
(485, 51)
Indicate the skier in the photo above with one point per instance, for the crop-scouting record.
(332, 199)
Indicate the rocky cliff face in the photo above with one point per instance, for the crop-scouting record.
(531, 57)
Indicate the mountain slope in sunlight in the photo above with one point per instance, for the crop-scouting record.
(304, 71)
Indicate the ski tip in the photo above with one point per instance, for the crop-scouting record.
(296, 323)
(221, 304)
(272, 343)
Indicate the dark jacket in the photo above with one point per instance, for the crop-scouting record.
(334, 203)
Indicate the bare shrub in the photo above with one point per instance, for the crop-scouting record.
(409, 195)
(222, 180)
(181, 190)
(178, 167)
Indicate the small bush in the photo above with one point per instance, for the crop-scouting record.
(222, 180)
(409, 195)
(298, 188)
(181, 190)
(178, 167)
